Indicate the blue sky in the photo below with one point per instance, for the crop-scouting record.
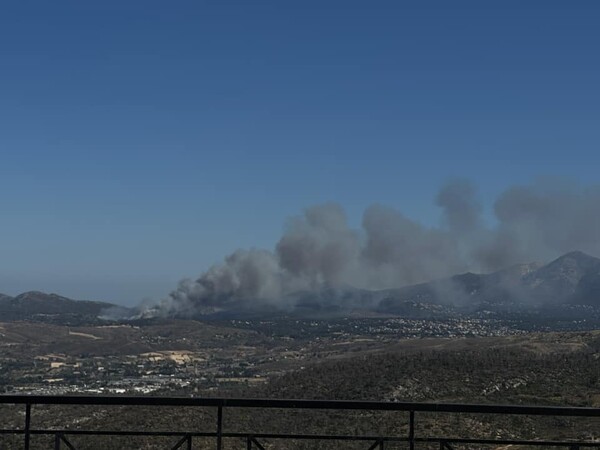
(142, 141)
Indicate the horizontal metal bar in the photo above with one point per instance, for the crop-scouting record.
(299, 404)
(532, 442)
(448, 440)
(129, 433)
(319, 437)
(214, 434)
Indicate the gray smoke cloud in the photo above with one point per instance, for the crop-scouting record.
(540, 222)
(319, 248)
(319, 251)
(461, 208)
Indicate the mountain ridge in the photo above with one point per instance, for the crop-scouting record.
(572, 279)
(52, 307)
(562, 287)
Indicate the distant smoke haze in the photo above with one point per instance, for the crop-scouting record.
(319, 250)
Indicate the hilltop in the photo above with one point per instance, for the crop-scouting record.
(52, 308)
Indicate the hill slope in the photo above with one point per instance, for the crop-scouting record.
(53, 308)
(574, 278)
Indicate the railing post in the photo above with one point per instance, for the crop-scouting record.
(411, 430)
(248, 443)
(189, 442)
(57, 441)
(220, 428)
(27, 425)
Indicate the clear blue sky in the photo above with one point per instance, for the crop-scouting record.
(141, 141)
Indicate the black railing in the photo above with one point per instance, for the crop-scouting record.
(253, 440)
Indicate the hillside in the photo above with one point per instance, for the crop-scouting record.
(552, 368)
(572, 279)
(51, 308)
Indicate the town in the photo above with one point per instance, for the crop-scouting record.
(166, 356)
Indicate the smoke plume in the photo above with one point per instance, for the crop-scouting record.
(319, 252)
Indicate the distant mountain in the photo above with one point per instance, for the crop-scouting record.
(572, 279)
(49, 308)
(562, 288)
(560, 280)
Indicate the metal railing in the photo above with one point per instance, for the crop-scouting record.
(253, 440)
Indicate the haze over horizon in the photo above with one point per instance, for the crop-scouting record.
(143, 145)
